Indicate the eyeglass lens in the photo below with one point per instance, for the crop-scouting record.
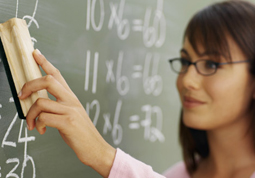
(204, 67)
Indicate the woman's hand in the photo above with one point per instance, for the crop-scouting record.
(68, 116)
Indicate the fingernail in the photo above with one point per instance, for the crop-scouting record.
(38, 51)
(20, 93)
(28, 127)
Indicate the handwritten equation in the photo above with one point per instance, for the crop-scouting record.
(151, 123)
(152, 26)
(152, 82)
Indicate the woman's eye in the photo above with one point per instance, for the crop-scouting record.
(210, 65)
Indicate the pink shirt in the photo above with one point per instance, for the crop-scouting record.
(125, 166)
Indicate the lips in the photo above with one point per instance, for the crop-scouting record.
(190, 102)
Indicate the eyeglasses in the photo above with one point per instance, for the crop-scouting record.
(203, 67)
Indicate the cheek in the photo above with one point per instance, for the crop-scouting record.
(227, 102)
(216, 90)
(230, 93)
(179, 84)
(223, 95)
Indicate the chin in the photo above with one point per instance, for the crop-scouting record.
(197, 123)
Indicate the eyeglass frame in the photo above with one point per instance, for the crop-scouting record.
(217, 64)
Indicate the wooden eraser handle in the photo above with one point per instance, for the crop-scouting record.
(18, 49)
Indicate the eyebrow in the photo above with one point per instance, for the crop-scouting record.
(206, 53)
(184, 51)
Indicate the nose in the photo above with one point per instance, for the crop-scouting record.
(191, 78)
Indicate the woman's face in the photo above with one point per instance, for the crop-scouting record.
(216, 101)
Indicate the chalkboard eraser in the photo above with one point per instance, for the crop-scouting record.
(16, 50)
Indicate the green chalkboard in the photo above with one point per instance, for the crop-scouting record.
(113, 54)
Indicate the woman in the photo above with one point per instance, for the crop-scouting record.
(216, 84)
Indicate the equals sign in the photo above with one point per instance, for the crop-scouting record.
(137, 25)
(137, 71)
(135, 124)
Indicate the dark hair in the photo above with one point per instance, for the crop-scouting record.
(211, 27)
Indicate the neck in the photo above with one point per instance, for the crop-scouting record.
(231, 148)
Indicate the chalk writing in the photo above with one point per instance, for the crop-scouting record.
(156, 33)
(115, 128)
(152, 26)
(123, 27)
(151, 132)
(29, 17)
(11, 173)
(11, 100)
(152, 82)
(9, 143)
(91, 6)
(87, 72)
(122, 82)
(27, 158)
(151, 124)
(94, 105)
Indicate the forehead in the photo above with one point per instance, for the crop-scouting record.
(200, 50)
(190, 50)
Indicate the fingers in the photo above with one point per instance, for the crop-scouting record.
(47, 119)
(47, 82)
(40, 106)
(48, 68)
(48, 113)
